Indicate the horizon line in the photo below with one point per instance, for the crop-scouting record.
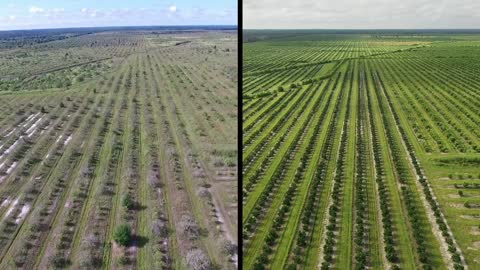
(124, 26)
(361, 29)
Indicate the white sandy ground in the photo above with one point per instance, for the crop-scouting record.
(33, 127)
(470, 217)
(12, 147)
(9, 211)
(386, 263)
(30, 117)
(26, 122)
(224, 227)
(23, 124)
(9, 170)
(5, 202)
(330, 203)
(23, 213)
(67, 140)
(10, 133)
(43, 129)
(430, 215)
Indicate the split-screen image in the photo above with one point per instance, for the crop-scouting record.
(240, 135)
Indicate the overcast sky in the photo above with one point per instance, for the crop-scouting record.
(34, 14)
(361, 14)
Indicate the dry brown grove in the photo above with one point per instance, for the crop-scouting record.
(118, 149)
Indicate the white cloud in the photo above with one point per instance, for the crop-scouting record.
(198, 13)
(36, 10)
(360, 14)
(53, 12)
(12, 17)
(83, 16)
(91, 12)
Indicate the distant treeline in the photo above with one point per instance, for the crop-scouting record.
(25, 38)
(22, 38)
(252, 35)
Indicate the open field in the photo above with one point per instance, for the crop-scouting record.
(361, 150)
(118, 149)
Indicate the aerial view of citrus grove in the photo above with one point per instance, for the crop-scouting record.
(361, 149)
(118, 147)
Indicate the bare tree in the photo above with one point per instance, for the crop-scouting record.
(197, 260)
(159, 228)
(189, 227)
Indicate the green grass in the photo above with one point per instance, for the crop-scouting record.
(423, 92)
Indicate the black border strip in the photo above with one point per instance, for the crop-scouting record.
(240, 137)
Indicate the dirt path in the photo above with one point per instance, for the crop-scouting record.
(430, 215)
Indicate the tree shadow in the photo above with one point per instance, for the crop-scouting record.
(139, 241)
(139, 207)
(203, 232)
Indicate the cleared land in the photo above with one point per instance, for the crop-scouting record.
(361, 150)
(118, 150)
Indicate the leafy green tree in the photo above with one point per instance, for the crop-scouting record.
(127, 202)
(122, 235)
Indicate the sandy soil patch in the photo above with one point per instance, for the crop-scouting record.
(12, 147)
(29, 119)
(23, 213)
(10, 133)
(226, 178)
(470, 217)
(10, 169)
(30, 134)
(9, 211)
(5, 202)
(34, 126)
(457, 205)
(67, 140)
(117, 251)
